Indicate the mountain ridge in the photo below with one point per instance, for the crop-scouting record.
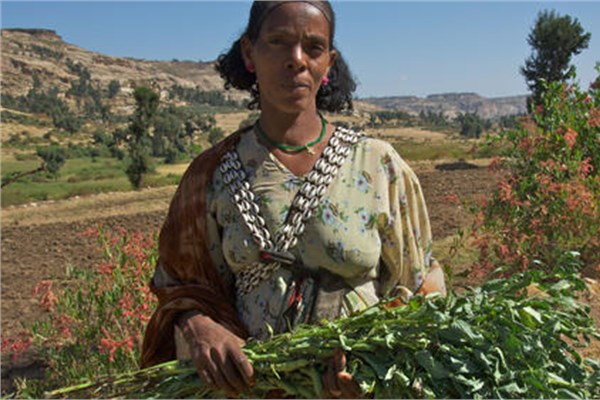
(42, 53)
(452, 104)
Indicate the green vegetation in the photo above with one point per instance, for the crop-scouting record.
(78, 177)
(554, 40)
(469, 125)
(548, 200)
(113, 88)
(87, 94)
(46, 52)
(495, 341)
(138, 135)
(53, 158)
(472, 126)
(39, 101)
(450, 149)
(24, 119)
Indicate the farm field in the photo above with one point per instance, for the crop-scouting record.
(40, 240)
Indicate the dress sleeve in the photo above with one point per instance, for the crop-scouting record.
(405, 230)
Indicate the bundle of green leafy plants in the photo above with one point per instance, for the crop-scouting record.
(514, 337)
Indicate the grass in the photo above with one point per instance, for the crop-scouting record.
(83, 175)
(78, 177)
(455, 254)
(449, 149)
(432, 151)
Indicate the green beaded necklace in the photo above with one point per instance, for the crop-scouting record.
(289, 147)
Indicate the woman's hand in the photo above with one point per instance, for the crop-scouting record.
(217, 354)
(337, 383)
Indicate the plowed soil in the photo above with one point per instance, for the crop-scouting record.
(39, 241)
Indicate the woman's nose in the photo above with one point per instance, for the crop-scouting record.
(296, 58)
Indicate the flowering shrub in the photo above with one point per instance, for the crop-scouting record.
(548, 201)
(16, 347)
(97, 317)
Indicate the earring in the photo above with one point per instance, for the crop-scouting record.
(325, 81)
(250, 67)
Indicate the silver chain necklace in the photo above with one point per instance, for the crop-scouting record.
(276, 251)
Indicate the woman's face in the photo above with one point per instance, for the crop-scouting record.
(291, 56)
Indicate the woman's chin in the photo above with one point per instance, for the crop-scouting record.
(298, 101)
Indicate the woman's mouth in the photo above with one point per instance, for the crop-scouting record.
(296, 86)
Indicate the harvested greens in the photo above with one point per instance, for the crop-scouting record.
(496, 341)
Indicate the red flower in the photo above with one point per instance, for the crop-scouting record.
(452, 198)
(585, 168)
(43, 291)
(570, 138)
(594, 119)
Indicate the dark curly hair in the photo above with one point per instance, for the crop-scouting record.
(334, 97)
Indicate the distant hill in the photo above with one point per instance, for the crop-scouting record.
(452, 104)
(43, 53)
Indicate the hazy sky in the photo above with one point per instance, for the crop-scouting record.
(394, 48)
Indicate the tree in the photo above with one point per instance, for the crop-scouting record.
(53, 158)
(113, 88)
(215, 135)
(471, 125)
(554, 39)
(138, 139)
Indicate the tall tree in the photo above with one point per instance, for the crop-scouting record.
(139, 141)
(554, 40)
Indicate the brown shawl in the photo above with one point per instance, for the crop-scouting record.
(184, 255)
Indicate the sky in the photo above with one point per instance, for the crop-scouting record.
(394, 48)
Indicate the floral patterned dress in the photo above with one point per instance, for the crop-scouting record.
(371, 229)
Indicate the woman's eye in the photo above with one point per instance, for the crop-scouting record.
(316, 49)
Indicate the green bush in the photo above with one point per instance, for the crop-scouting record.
(548, 200)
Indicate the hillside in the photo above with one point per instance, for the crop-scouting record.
(43, 53)
(452, 104)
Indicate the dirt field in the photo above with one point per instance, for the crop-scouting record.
(40, 240)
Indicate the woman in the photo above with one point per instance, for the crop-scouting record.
(290, 221)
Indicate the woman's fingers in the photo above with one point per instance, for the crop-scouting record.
(231, 380)
(339, 360)
(222, 383)
(217, 354)
(337, 383)
(348, 386)
(330, 381)
(244, 367)
(201, 362)
(206, 378)
(210, 370)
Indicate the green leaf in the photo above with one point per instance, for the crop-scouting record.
(534, 314)
(512, 389)
(561, 285)
(473, 383)
(554, 379)
(376, 364)
(563, 393)
(343, 343)
(459, 331)
(431, 365)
